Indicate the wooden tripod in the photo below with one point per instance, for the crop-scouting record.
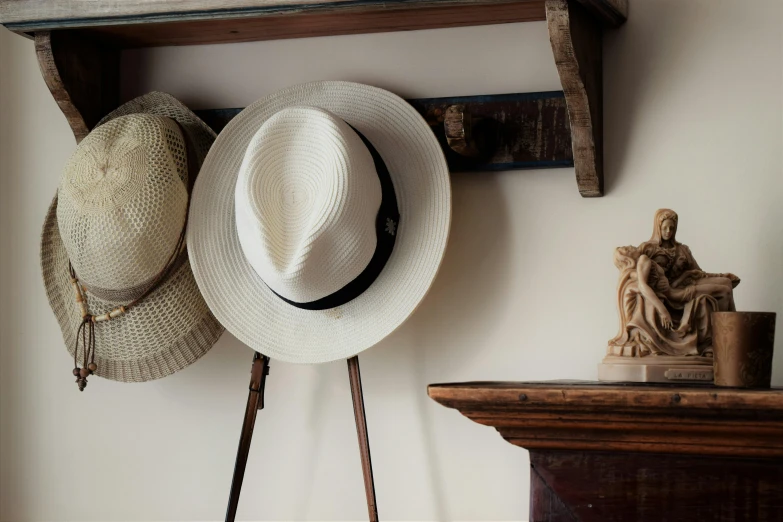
(255, 402)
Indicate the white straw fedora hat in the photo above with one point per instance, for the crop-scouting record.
(114, 264)
(319, 220)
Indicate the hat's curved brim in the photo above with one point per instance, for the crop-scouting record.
(240, 299)
(172, 327)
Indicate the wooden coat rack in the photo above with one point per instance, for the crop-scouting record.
(79, 45)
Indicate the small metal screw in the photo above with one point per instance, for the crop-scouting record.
(676, 397)
(522, 397)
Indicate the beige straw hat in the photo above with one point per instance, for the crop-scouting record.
(118, 219)
(319, 220)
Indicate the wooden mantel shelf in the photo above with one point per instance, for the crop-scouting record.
(618, 453)
(686, 420)
(78, 44)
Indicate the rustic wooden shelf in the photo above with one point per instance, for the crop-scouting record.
(79, 43)
(609, 452)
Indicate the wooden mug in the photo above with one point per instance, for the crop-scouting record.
(743, 344)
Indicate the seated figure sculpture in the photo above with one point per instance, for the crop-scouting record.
(665, 298)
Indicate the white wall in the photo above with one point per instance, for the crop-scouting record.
(694, 122)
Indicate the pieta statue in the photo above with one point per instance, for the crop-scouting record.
(665, 300)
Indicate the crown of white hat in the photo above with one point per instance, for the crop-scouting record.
(306, 201)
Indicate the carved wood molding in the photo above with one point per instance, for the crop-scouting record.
(682, 420)
(83, 78)
(576, 44)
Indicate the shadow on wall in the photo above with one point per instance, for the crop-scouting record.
(644, 59)
(451, 323)
(472, 277)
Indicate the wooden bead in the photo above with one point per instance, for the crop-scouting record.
(77, 291)
(84, 373)
(92, 366)
(83, 307)
(76, 372)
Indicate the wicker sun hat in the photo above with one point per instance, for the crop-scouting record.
(319, 220)
(113, 254)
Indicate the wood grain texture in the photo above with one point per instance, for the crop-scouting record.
(545, 504)
(83, 77)
(677, 419)
(604, 487)
(349, 20)
(36, 15)
(510, 131)
(576, 40)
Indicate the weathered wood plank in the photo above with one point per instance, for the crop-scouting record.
(604, 487)
(347, 20)
(35, 15)
(513, 131)
(697, 420)
(82, 77)
(576, 40)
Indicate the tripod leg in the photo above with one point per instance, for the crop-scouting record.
(361, 431)
(255, 402)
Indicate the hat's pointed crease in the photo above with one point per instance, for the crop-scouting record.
(387, 213)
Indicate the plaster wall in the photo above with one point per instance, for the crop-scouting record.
(693, 121)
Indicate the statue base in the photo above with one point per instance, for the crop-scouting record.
(656, 368)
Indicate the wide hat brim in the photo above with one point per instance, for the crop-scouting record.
(241, 300)
(172, 327)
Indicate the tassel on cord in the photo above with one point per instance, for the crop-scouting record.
(85, 333)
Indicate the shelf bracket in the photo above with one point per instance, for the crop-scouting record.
(83, 77)
(576, 39)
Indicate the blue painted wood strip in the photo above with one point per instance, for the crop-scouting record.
(519, 130)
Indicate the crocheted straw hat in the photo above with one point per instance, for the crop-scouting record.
(117, 218)
(319, 220)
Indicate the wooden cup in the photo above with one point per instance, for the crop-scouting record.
(743, 344)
